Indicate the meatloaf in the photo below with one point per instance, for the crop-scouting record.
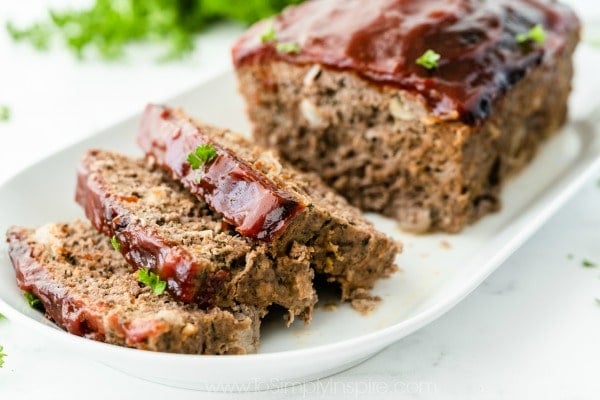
(268, 200)
(417, 109)
(156, 224)
(88, 289)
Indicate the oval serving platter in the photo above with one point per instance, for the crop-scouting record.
(436, 271)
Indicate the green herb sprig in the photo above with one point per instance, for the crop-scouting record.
(33, 301)
(536, 34)
(108, 26)
(268, 35)
(429, 59)
(203, 154)
(2, 355)
(152, 280)
(4, 113)
(115, 243)
(288, 47)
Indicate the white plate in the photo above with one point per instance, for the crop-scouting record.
(437, 271)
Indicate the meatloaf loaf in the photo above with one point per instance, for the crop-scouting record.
(87, 288)
(156, 224)
(417, 109)
(267, 200)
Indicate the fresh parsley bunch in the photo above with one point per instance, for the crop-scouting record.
(109, 25)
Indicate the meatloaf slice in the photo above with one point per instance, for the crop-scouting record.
(268, 200)
(88, 289)
(417, 109)
(157, 224)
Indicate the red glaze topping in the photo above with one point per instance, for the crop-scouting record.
(187, 280)
(381, 40)
(59, 305)
(66, 309)
(247, 199)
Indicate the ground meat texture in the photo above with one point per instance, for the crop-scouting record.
(344, 245)
(404, 144)
(88, 289)
(159, 226)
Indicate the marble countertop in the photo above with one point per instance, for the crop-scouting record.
(529, 331)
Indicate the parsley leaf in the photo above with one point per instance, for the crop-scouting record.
(588, 264)
(288, 48)
(108, 26)
(33, 301)
(38, 34)
(115, 243)
(269, 35)
(152, 280)
(2, 316)
(535, 34)
(429, 59)
(2, 355)
(201, 155)
(4, 113)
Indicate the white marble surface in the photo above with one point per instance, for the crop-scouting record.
(530, 331)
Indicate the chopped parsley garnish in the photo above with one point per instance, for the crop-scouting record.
(108, 26)
(2, 355)
(588, 264)
(288, 47)
(152, 280)
(33, 301)
(269, 35)
(4, 113)
(535, 34)
(429, 59)
(201, 155)
(115, 243)
(2, 316)
(598, 300)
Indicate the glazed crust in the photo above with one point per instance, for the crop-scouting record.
(161, 227)
(344, 245)
(88, 289)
